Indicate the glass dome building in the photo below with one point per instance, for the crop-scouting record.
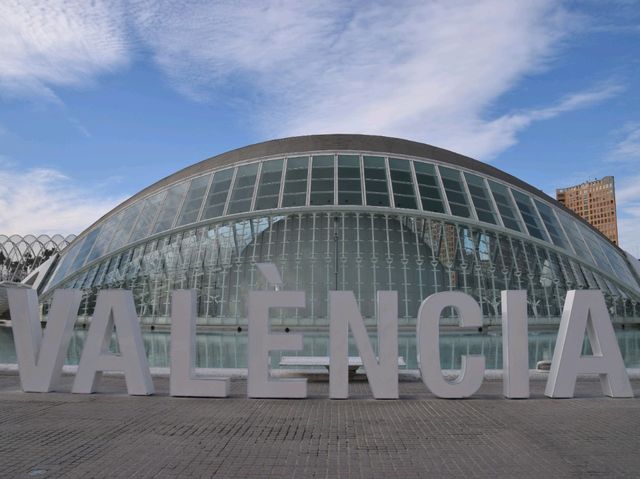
(346, 212)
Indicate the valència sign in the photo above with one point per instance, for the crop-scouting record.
(41, 355)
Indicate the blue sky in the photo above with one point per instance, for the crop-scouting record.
(100, 99)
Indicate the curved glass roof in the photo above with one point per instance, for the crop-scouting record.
(330, 179)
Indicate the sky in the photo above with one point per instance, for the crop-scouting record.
(100, 99)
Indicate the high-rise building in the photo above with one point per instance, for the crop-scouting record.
(595, 201)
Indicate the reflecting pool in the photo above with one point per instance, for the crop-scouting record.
(229, 349)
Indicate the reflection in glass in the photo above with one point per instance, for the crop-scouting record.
(505, 206)
(150, 208)
(480, 198)
(552, 225)
(269, 185)
(169, 210)
(295, 185)
(375, 178)
(529, 215)
(402, 184)
(217, 196)
(349, 184)
(321, 180)
(193, 201)
(243, 189)
(428, 186)
(454, 190)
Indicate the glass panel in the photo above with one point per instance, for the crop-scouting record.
(217, 197)
(506, 207)
(349, 184)
(529, 215)
(595, 247)
(100, 274)
(243, 189)
(571, 228)
(295, 185)
(193, 201)
(84, 249)
(480, 199)
(321, 180)
(67, 259)
(127, 222)
(430, 193)
(147, 217)
(101, 244)
(619, 264)
(375, 181)
(402, 184)
(454, 189)
(269, 186)
(170, 207)
(551, 222)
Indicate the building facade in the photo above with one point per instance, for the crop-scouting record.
(595, 201)
(20, 255)
(343, 212)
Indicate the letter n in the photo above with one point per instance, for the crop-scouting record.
(382, 374)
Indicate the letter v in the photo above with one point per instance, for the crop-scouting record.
(40, 357)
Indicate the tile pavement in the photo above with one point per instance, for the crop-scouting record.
(110, 434)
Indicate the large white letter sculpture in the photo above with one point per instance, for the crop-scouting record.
(114, 307)
(472, 373)
(261, 341)
(587, 309)
(183, 381)
(515, 345)
(40, 357)
(382, 374)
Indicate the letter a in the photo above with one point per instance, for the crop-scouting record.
(587, 309)
(40, 357)
(114, 307)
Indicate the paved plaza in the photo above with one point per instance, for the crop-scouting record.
(110, 434)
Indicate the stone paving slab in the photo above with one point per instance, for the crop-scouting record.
(110, 434)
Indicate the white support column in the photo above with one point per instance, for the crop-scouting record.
(515, 345)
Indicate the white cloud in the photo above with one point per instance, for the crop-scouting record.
(46, 201)
(628, 205)
(428, 71)
(44, 45)
(425, 70)
(628, 149)
(623, 161)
